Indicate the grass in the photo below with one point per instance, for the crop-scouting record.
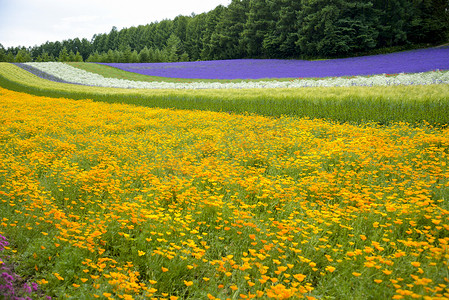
(118, 201)
(413, 104)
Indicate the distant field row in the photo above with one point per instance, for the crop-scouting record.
(105, 76)
(415, 61)
(344, 104)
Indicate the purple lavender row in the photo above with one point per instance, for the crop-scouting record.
(12, 286)
(41, 74)
(415, 61)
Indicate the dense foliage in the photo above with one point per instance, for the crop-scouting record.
(260, 28)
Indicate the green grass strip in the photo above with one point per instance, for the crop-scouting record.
(413, 104)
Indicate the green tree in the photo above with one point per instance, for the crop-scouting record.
(112, 40)
(225, 42)
(10, 57)
(392, 21)
(173, 47)
(63, 55)
(194, 35)
(85, 48)
(211, 21)
(94, 57)
(22, 56)
(144, 55)
(78, 57)
(134, 58)
(184, 57)
(281, 40)
(259, 23)
(72, 56)
(125, 53)
(336, 28)
(2, 53)
(44, 57)
(429, 22)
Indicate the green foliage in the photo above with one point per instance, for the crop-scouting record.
(144, 55)
(266, 28)
(259, 23)
(173, 47)
(64, 55)
(2, 53)
(23, 56)
(336, 28)
(225, 42)
(44, 57)
(78, 57)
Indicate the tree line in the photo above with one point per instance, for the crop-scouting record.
(260, 29)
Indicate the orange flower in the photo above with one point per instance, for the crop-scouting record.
(299, 277)
(330, 269)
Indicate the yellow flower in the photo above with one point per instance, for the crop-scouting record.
(58, 276)
(330, 269)
(387, 272)
(188, 283)
(299, 277)
(415, 264)
(141, 253)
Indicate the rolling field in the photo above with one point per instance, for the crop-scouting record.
(317, 193)
(382, 104)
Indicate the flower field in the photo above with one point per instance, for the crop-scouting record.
(356, 104)
(416, 61)
(118, 201)
(65, 73)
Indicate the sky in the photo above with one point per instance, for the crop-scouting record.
(33, 22)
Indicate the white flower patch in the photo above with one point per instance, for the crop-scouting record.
(75, 75)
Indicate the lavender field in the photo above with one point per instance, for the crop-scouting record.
(415, 61)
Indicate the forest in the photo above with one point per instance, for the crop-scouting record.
(284, 29)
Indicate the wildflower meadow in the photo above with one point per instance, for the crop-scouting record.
(118, 201)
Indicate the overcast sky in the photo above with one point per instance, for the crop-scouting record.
(33, 22)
